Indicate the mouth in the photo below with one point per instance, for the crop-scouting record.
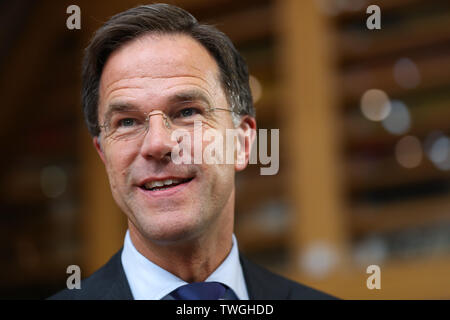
(166, 184)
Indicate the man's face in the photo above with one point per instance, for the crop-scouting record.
(152, 73)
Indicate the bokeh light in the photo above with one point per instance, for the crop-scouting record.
(53, 181)
(319, 259)
(399, 119)
(408, 152)
(406, 73)
(438, 150)
(371, 250)
(375, 104)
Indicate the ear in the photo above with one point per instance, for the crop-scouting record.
(246, 137)
(98, 147)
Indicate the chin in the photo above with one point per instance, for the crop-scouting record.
(163, 230)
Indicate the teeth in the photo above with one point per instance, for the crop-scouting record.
(157, 184)
(174, 181)
(161, 183)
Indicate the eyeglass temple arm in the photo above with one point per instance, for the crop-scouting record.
(223, 109)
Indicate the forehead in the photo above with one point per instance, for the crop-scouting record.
(158, 62)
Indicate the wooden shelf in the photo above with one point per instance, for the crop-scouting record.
(386, 6)
(247, 25)
(256, 188)
(365, 174)
(252, 239)
(434, 71)
(420, 278)
(420, 212)
(359, 46)
(426, 116)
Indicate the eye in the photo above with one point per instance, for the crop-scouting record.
(127, 122)
(188, 112)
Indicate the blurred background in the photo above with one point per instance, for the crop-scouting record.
(364, 119)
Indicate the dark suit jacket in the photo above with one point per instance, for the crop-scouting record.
(110, 283)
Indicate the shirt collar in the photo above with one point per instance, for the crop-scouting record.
(148, 281)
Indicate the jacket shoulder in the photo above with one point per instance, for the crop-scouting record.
(107, 283)
(263, 284)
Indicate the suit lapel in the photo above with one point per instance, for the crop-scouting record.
(115, 275)
(260, 283)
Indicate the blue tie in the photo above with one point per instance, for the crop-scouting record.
(202, 291)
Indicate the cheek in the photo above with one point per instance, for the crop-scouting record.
(211, 144)
(214, 165)
(118, 164)
(218, 188)
(219, 178)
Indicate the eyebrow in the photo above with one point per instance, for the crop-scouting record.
(189, 96)
(118, 107)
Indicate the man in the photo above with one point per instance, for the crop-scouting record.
(147, 73)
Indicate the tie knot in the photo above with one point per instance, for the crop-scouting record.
(203, 291)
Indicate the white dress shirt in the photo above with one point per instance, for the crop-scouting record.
(148, 281)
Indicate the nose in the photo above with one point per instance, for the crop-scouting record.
(157, 142)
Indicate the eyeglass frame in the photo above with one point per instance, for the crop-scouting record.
(151, 113)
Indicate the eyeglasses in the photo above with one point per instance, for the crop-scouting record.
(125, 125)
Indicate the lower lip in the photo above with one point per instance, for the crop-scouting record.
(167, 192)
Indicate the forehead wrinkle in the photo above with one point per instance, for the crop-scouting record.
(182, 56)
(205, 87)
(137, 86)
(195, 89)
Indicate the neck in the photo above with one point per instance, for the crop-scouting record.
(193, 259)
